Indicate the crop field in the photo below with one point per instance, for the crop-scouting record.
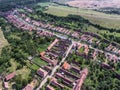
(3, 41)
(105, 20)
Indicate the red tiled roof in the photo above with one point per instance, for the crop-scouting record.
(84, 73)
(66, 65)
(28, 87)
(49, 88)
(42, 54)
(42, 72)
(10, 76)
(52, 44)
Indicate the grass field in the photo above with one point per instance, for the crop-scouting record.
(106, 20)
(3, 41)
(39, 61)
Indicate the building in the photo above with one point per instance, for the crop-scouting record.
(28, 87)
(49, 88)
(79, 83)
(52, 44)
(6, 85)
(10, 76)
(66, 65)
(42, 72)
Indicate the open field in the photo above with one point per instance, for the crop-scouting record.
(3, 41)
(105, 20)
(94, 3)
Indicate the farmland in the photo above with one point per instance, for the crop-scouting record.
(105, 20)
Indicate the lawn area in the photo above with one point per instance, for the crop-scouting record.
(3, 41)
(13, 66)
(24, 72)
(39, 61)
(81, 50)
(106, 20)
(42, 47)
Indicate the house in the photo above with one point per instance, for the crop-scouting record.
(54, 82)
(66, 65)
(49, 88)
(52, 44)
(42, 54)
(28, 87)
(42, 72)
(6, 85)
(79, 83)
(53, 62)
(66, 79)
(10, 76)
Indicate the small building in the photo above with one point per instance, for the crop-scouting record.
(6, 86)
(28, 87)
(42, 72)
(66, 65)
(42, 54)
(10, 76)
(49, 88)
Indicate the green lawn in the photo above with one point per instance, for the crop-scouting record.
(81, 50)
(3, 41)
(42, 47)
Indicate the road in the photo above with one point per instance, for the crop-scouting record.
(55, 68)
(63, 59)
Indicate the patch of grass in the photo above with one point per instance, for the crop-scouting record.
(24, 72)
(43, 47)
(39, 61)
(3, 41)
(13, 65)
(81, 50)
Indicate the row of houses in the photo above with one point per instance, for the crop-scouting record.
(30, 24)
(113, 49)
(44, 33)
(19, 23)
(51, 27)
(65, 77)
(85, 50)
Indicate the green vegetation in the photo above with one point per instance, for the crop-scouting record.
(39, 62)
(81, 49)
(3, 41)
(109, 10)
(77, 23)
(22, 44)
(105, 20)
(98, 78)
(6, 5)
